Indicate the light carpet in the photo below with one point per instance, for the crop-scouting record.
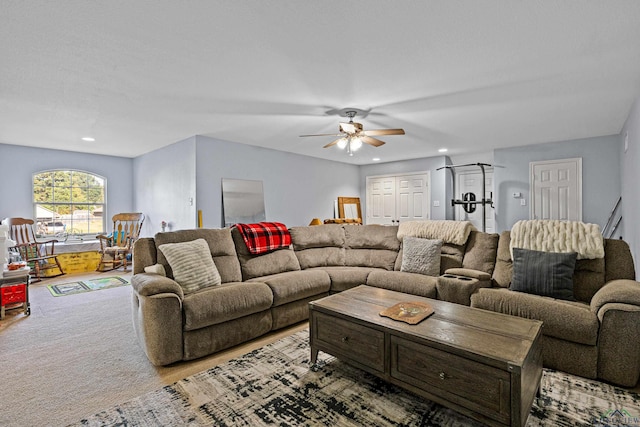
(275, 385)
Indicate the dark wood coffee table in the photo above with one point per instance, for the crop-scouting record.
(485, 365)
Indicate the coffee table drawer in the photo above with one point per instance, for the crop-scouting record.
(479, 387)
(346, 339)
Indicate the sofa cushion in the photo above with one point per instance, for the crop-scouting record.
(372, 258)
(320, 257)
(221, 247)
(296, 285)
(343, 278)
(252, 266)
(317, 236)
(374, 246)
(371, 237)
(410, 283)
(568, 320)
(543, 273)
(588, 278)
(451, 256)
(192, 265)
(226, 302)
(421, 256)
(319, 245)
(480, 251)
(504, 266)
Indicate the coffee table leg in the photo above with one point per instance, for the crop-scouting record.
(314, 355)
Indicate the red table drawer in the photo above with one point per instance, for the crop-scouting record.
(13, 294)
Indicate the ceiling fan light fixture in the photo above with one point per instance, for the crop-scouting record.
(352, 134)
(355, 143)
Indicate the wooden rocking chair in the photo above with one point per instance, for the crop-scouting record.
(116, 248)
(38, 254)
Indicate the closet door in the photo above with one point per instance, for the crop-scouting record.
(381, 196)
(391, 199)
(412, 200)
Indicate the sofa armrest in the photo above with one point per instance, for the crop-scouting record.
(621, 291)
(619, 344)
(147, 284)
(617, 305)
(467, 272)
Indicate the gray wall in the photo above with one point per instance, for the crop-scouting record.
(630, 170)
(441, 186)
(601, 183)
(165, 187)
(296, 188)
(20, 163)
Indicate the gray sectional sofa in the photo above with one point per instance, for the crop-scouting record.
(596, 337)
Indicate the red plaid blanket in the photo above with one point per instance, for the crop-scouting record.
(264, 237)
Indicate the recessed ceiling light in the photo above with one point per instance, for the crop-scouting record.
(442, 150)
(376, 159)
(88, 139)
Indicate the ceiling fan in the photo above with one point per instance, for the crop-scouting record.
(352, 135)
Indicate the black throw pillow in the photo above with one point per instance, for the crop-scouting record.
(548, 274)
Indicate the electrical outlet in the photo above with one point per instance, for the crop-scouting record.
(523, 202)
(436, 203)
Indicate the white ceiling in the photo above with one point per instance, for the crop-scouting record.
(467, 75)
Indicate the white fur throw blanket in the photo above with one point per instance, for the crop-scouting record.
(558, 236)
(456, 232)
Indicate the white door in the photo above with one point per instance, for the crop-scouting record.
(412, 200)
(556, 189)
(381, 200)
(394, 198)
(471, 182)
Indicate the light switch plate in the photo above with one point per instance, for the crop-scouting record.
(523, 202)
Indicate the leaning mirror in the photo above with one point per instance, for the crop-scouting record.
(242, 201)
(349, 207)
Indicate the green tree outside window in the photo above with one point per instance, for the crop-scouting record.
(69, 202)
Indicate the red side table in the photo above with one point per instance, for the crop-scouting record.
(14, 290)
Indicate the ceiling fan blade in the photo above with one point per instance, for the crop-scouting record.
(332, 143)
(323, 134)
(372, 141)
(378, 132)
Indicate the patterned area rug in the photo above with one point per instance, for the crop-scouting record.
(86, 286)
(275, 386)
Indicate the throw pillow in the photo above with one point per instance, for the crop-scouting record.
(544, 273)
(421, 256)
(192, 264)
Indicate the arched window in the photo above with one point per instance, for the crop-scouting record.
(69, 202)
